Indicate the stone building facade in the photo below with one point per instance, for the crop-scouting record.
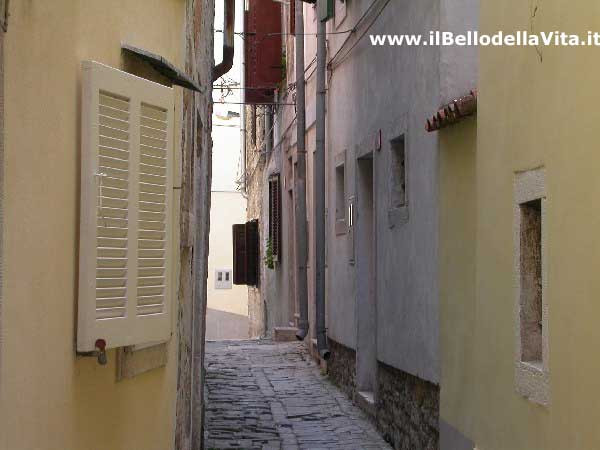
(255, 161)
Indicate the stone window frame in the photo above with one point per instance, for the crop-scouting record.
(531, 380)
(341, 222)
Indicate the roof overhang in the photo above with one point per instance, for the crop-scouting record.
(453, 112)
(164, 67)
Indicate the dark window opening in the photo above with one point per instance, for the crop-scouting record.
(340, 193)
(398, 173)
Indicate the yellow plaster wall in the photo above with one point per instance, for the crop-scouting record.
(50, 400)
(533, 111)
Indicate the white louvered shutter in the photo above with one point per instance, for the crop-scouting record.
(126, 196)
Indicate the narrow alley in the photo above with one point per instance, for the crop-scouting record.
(268, 395)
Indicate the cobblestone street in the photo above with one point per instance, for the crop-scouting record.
(267, 395)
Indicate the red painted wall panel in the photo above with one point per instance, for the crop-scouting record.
(263, 53)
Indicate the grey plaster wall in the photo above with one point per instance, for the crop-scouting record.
(458, 65)
(392, 89)
(373, 90)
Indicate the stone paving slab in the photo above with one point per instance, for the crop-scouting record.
(263, 395)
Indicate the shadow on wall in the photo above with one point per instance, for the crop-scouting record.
(225, 325)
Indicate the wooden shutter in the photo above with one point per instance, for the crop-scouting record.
(252, 253)
(246, 254)
(240, 273)
(275, 215)
(126, 212)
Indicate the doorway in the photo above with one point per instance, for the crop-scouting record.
(366, 351)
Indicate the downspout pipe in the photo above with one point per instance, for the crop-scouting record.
(300, 179)
(228, 34)
(319, 191)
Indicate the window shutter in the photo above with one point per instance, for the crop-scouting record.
(239, 254)
(126, 212)
(253, 253)
(275, 215)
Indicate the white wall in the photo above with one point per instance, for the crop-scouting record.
(227, 310)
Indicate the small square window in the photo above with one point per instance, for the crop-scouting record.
(223, 279)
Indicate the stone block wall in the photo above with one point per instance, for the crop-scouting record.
(341, 367)
(407, 409)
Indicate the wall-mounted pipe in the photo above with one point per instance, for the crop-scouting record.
(319, 191)
(228, 34)
(300, 179)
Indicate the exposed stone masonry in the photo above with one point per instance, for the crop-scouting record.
(341, 367)
(407, 410)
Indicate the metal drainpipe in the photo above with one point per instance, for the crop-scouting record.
(300, 179)
(228, 34)
(319, 191)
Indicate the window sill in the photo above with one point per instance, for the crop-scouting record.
(533, 382)
(136, 360)
(397, 216)
(340, 227)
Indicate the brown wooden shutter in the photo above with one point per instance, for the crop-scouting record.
(275, 215)
(246, 254)
(252, 253)
(240, 272)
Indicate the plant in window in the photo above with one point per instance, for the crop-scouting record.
(269, 260)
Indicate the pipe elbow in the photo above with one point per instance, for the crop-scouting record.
(224, 66)
(228, 42)
(302, 333)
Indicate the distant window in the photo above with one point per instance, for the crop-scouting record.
(398, 173)
(223, 279)
(340, 193)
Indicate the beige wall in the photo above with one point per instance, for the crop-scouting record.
(49, 398)
(458, 228)
(533, 111)
(227, 311)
